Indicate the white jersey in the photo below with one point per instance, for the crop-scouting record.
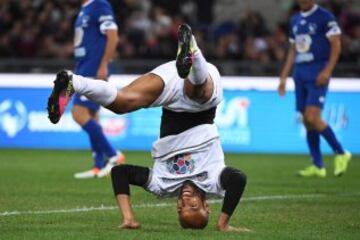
(173, 96)
(195, 154)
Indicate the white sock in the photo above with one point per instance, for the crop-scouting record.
(99, 91)
(199, 71)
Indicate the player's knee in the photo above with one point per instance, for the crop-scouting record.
(125, 102)
(118, 171)
(241, 178)
(311, 120)
(81, 116)
(117, 107)
(233, 178)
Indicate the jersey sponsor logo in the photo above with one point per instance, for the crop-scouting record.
(13, 117)
(304, 57)
(303, 43)
(181, 164)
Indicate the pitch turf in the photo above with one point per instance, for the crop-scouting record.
(39, 199)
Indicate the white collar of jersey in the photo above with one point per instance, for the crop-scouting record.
(87, 3)
(311, 11)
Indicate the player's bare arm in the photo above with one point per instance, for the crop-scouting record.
(110, 49)
(335, 50)
(124, 204)
(286, 69)
(234, 183)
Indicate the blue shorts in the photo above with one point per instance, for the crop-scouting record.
(83, 101)
(306, 91)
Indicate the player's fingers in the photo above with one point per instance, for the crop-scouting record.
(281, 91)
(321, 81)
(101, 76)
(130, 225)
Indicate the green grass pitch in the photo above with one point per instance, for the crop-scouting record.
(40, 199)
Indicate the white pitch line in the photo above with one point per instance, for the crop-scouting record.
(160, 205)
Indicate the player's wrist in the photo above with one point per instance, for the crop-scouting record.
(223, 221)
(328, 70)
(103, 64)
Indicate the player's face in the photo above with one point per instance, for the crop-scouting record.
(190, 203)
(306, 5)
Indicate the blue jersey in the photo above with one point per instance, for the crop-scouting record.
(95, 17)
(309, 31)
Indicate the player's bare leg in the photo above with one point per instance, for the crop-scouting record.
(313, 121)
(139, 94)
(143, 91)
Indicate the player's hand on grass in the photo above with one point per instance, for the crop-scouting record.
(130, 224)
(282, 88)
(102, 72)
(323, 78)
(228, 228)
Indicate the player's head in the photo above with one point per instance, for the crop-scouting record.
(305, 5)
(193, 209)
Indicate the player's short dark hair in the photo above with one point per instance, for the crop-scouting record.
(197, 220)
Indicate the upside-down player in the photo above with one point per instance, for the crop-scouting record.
(189, 160)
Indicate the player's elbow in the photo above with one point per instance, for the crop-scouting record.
(241, 178)
(233, 179)
(339, 49)
(117, 171)
(115, 39)
(112, 35)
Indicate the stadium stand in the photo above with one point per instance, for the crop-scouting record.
(41, 30)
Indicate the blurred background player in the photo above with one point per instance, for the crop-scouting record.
(189, 160)
(315, 49)
(95, 44)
